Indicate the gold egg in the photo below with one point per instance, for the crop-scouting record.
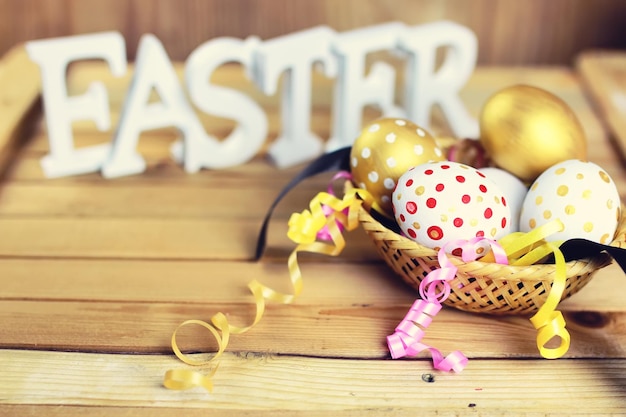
(386, 149)
(525, 130)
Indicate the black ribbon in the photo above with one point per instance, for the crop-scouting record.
(339, 160)
(582, 248)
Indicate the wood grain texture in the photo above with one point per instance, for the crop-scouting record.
(21, 87)
(94, 310)
(96, 274)
(603, 74)
(553, 32)
(55, 383)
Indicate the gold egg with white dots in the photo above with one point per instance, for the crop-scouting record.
(386, 149)
(579, 194)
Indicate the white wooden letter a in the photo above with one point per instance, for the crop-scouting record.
(153, 71)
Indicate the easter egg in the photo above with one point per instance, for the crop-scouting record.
(514, 189)
(525, 130)
(581, 195)
(384, 151)
(438, 202)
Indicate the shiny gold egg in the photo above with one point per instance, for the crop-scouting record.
(386, 149)
(526, 130)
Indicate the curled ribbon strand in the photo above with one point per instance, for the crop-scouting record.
(327, 218)
(406, 340)
(434, 290)
(526, 249)
(319, 230)
(548, 321)
(520, 249)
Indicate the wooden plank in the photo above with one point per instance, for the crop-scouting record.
(54, 381)
(154, 238)
(301, 329)
(20, 87)
(133, 238)
(206, 282)
(160, 167)
(553, 32)
(599, 294)
(95, 307)
(197, 282)
(166, 200)
(603, 74)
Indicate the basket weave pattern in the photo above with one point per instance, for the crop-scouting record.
(484, 287)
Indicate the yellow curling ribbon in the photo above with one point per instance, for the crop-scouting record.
(548, 321)
(182, 379)
(332, 214)
(525, 249)
(304, 229)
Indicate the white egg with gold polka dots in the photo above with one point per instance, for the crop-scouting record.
(581, 195)
(386, 149)
(513, 187)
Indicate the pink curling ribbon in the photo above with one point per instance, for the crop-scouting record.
(434, 290)
(324, 233)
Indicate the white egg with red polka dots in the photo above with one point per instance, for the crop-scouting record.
(579, 194)
(438, 202)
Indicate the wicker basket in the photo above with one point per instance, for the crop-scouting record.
(483, 287)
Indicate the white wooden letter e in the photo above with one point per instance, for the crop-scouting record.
(53, 56)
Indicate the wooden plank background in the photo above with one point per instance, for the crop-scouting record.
(604, 75)
(96, 274)
(529, 32)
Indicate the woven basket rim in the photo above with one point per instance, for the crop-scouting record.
(408, 244)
